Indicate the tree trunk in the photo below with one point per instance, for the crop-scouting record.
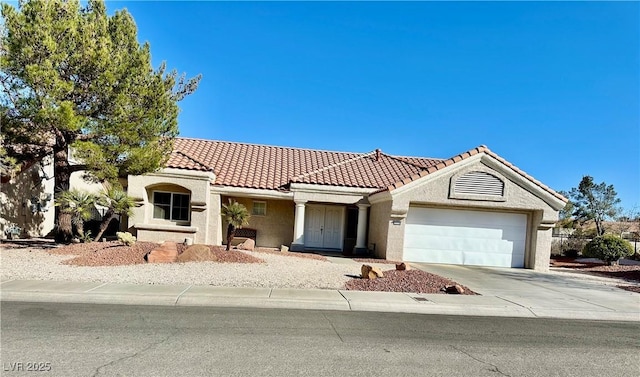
(106, 220)
(64, 228)
(231, 232)
(62, 175)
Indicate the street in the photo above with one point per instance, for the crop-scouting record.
(119, 340)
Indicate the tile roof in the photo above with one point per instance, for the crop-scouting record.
(481, 149)
(275, 168)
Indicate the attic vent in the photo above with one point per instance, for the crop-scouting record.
(479, 183)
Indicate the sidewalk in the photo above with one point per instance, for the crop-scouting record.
(574, 302)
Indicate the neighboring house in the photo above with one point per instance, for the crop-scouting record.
(473, 209)
(27, 198)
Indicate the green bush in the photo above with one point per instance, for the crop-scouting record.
(571, 253)
(126, 238)
(608, 248)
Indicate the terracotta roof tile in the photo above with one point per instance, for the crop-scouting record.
(481, 149)
(274, 168)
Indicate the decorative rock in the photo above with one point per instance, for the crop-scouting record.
(166, 253)
(402, 266)
(249, 244)
(453, 289)
(197, 253)
(370, 272)
(284, 249)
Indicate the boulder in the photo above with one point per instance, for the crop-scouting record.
(284, 249)
(370, 272)
(166, 253)
(197, 253)
(249, 244)
(402, 266)
(453, 289)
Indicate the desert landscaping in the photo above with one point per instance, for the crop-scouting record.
(212, 265)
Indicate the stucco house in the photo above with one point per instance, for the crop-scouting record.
(472, 209)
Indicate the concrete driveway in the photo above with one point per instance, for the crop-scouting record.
(544, 294)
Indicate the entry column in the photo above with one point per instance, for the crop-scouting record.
(298, 227)
(361, 235)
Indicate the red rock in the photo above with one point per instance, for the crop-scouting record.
(370, 272)
(454, 289)
(249, 244)
(166, 253)
(402, 266)
(197, 253)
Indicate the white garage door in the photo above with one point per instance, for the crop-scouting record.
(465, 237)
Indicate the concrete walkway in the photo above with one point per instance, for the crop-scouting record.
(503, 293)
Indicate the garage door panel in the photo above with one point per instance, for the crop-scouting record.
(503, 260)
(441, 256)
(436, 235)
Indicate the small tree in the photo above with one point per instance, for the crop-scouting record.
(608, 248)
(237, 216)
(77, 206)
(596, 202)
(118, 203)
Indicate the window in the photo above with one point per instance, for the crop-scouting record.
(171, 206)
(259, 209)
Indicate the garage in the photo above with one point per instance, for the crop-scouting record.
(466, 237)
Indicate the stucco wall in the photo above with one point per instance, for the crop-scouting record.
(16, 199)
(434, 191)
(274, 229)
(215, 221)
(197, 184)
(379, 222)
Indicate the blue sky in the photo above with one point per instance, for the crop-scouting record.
(553, 88)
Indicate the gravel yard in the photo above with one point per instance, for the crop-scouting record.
(113, 263)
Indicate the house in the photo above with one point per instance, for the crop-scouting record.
(27, 201)
(472, 209)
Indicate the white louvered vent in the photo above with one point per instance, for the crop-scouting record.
(479, 183)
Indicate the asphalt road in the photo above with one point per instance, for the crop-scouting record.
(118, 340)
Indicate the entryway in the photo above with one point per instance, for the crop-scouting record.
(324, 226)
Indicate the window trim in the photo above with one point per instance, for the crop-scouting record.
(253, 206)
(171, 208)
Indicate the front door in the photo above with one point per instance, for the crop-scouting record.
(323, 227)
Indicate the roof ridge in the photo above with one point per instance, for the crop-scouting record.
(331, 166)
(266, 145)
(209, 168)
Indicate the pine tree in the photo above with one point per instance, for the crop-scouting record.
(74, 78)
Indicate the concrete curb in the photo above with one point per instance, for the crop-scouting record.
(314, 299)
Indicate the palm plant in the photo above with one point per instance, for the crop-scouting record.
(237, 216)
(118, 203)
(78, 206)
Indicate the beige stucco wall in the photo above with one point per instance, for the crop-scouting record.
(379, 223)
(434, 191)
(35, 182)
(274, 229)
(142, 223)
(15, 199)
(215, 221)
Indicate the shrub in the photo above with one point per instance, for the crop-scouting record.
(571, 253)
(608, 248)
(13, 231)
(126, 238)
